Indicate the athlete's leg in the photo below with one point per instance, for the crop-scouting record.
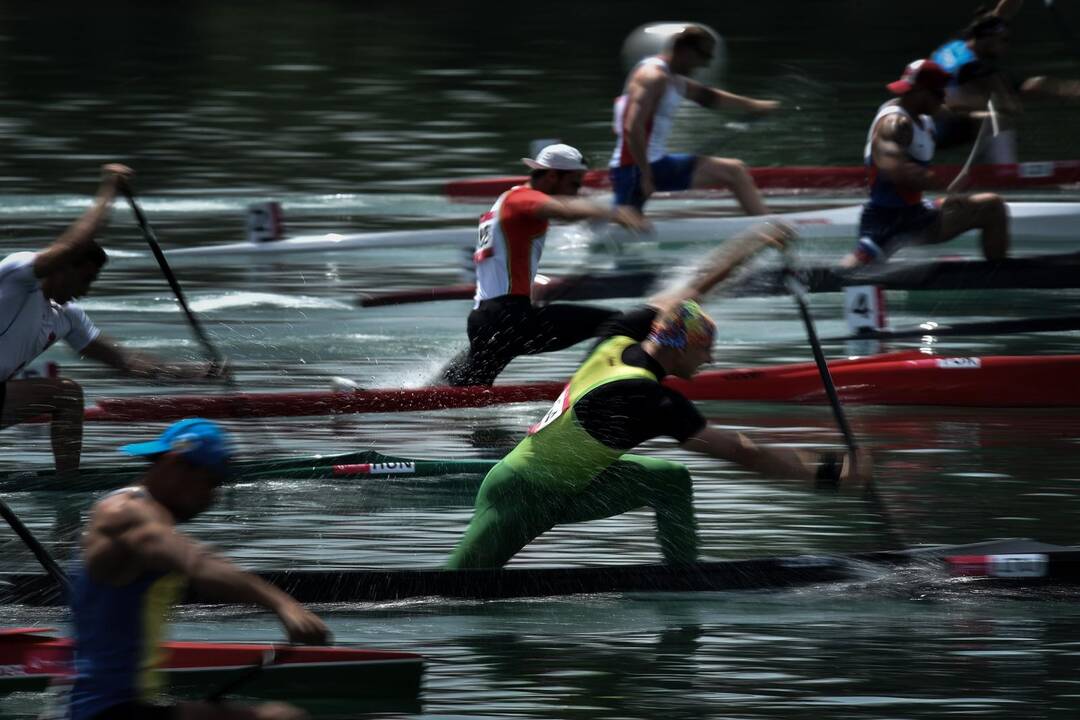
(510, 513)
(985, 211)
(498, 332)
(59, 398)
(636, 481)
(557, 326)
(734, 175)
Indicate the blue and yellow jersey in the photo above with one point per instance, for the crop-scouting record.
(118, 633)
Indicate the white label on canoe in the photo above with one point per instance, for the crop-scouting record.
(1035, 169)
(959, 363)
(392, 468)
(12, 671)
(1018, 565)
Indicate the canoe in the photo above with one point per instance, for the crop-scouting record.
(1019, 562)
(595, 286)
(1037, 272)
(346, 467)
(32, 659)
(901, 378)
(1049, 220)
(1004, 176)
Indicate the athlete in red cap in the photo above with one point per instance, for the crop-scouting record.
(899, 148)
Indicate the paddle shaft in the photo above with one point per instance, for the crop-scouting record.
(988, 123)
(799, 294)
(246, 675)
(159, 255)
(36, 547)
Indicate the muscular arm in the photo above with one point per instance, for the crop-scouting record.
(1008, 9)
(643, 94)
(72, 241)
(717, 99)
(892, 138)
(773, 462)
(572, 209)
(727, 258)
(141, 365)
(127, 537)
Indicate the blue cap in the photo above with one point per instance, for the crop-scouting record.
(199, 441)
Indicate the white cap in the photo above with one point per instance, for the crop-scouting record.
(557, 157)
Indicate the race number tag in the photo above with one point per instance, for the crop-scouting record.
(1035, 169)
(963, 363)
(485, 243)
(1012, 565)
(264, 222)
(557, 409)
(864, 308)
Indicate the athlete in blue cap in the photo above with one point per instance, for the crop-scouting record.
(135, 564)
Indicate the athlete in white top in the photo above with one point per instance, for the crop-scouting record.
(898, 151)
(644, 113)
(36, 290)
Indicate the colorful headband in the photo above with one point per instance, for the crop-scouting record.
(686, 325)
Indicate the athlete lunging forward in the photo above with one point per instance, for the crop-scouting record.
(572, 466)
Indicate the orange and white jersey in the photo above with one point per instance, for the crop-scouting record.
(659, 125)
(510, 243)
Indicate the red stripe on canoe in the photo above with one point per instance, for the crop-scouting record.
(1019, 175)
(53, 655)
(905, 378)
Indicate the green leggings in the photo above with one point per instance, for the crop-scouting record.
(514, 508)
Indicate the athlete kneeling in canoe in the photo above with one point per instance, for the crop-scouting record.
(898, 151)
(135, 564)
(37, 309)
(504, 323)
(572, 466)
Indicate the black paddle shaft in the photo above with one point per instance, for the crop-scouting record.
(151, 240)
(798, 293)
(39, 551)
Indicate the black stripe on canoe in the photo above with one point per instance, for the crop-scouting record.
(1059, 565)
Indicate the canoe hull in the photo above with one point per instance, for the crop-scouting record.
(32, 662)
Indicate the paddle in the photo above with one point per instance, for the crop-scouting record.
(798, 293)
(988, 327)
(36, 547)
(269, 657)
(155, 248)
(989, 122)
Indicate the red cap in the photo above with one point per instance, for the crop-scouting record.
(922, 73)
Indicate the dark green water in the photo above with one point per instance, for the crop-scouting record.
(355, 114)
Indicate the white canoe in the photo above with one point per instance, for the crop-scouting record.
(1047, 220)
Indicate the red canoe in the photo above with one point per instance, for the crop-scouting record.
(31, 659)
(1011, 176)
(902, 378)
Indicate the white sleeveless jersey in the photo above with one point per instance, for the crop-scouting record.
(922, 141)
(659, 128)
(507, 258)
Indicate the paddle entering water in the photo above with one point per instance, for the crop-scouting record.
(42, 555)
(798, 293)
(151, 239)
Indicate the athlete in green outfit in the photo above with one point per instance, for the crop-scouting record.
(572, 466)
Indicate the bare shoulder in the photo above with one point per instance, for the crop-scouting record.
(896, 128)
(120, 513)
(648, 76)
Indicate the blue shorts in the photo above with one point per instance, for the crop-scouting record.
(884, 230)
(670, 173)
